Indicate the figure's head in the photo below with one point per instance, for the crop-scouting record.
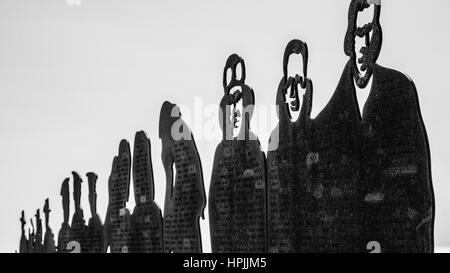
(77, 189)
(142, 169)
(171, 125)
(92, 183)
(369, 33)
(232, 105)
(124, 170)
(292, 81)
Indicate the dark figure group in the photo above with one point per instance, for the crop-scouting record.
(341, 182)
(145, 230)
(34, 243)
(344, 181)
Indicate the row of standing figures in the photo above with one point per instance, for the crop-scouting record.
(340, 182)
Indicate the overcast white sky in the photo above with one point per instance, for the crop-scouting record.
(75, 80)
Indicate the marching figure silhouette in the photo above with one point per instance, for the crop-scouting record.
(146, 220)
(237, 195)
(185, 199)
(94, 234)
(49, 237)
(65, 234)
(78, 226)
(397, 192)
(117, 226)
(288, 147)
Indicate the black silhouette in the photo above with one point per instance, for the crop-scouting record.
(31, 237)
(398, 198)
(237, 196)
(118, 219)
(49, 237)
(286, 166)
(94, 236)
(147, 223)
(65, 234)
(38, 246)
(78, 226)
(185, 193)
(23, 247)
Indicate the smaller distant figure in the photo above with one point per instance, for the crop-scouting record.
(31, 237)
(94, 237)
(65, 234)
(185, 199)
(49, 237)
(117, 226)
(78, 226)
(38, 247)
(146, 220)
(23, 248)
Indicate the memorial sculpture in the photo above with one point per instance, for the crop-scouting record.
(344, 181)
(117, 227)
(185, 198)
(397, 211)
(49, 237)
(78, 225)
(146, 220)
(94, 235)
(288, 146)
(23, 247)
(38, 246)
(65, 234)
(237, 196)
(31, 237)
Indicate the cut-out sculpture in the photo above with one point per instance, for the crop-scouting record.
(23, 247)
(65, 234)
(185, 199)
(117, 226)
(49, 237)
(237, 196)
(395, 172)
(38, 246)
(94, 236)
(345, 181)
(78, 225)
(31, 237)
(146, 220)
(288, 146)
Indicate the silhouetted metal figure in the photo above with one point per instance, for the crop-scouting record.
(78, 225)
(49, 237)
(237, 196)
(38, 247)
(23, 247)
(288, 147)
(31, 237)
(185, 199)
(65, 234)
(398, 197)
(117, 226)
(146, 220)
(94, 237)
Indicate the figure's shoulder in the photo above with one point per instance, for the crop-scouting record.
(393, 75)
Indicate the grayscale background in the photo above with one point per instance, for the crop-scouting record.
(75, 79)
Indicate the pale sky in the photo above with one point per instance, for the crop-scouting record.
(75, 80)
